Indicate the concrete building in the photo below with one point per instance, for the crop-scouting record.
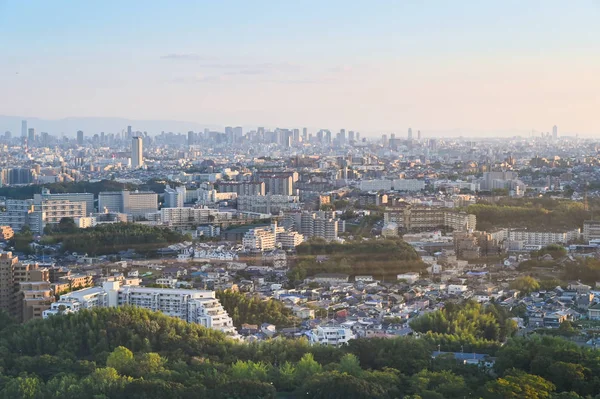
(86, 198)
(134, 203)
(408, 185)
(243, 188)
(51, 208)
(19, 298)
(421, 218)
(174, 197)
(591, 230)
(332, 336)
(193, 306)
(189, 218)
(137, 152)
(261, 238)
(17, 213)
(543, 238)
(322, 224)
(268, 204)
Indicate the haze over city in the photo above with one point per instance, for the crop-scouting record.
(448, 68)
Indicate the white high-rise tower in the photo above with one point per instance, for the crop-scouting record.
(137, 157)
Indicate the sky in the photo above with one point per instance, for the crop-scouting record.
(374, 66)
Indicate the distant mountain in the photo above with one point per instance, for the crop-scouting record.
(91, 126)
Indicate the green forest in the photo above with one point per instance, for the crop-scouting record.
(134, 353)
(384, 258)
(253, 310)
(112, 238)
(27, 192)
(541, 213)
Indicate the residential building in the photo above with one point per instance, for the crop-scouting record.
(332, 336)
(411, 218)
(591, 230)
(269, 204)
(408, 185)
(189, 218)
(322, 224)
(193, 306)
(23, 301)
(17, 213)
(243, 188)
(174, 197)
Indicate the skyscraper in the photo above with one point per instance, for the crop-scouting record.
(419, 135)
(128, 132)
(409, 133)
(23, 128)
(137, 158)
(190, 138)
(80, 137)
(31, 135)
(555, 132)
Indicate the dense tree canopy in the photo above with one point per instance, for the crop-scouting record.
(134, 353)
(253, 310)
(112, 238)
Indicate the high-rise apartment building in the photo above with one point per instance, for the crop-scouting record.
(174, 197)
(80, 137)
(243, 187)
(24, 288)
(322, 224)
(23, 128)
(193, 306)
(137, 157)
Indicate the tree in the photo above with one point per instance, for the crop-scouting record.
(336, 385)
(525, 284)
(349, 364)
(306, 367)
(249, 370)
(519, 385)
(121, 359)
(23, 388)
(243, 389)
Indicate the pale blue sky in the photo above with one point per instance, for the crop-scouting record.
(365, 65)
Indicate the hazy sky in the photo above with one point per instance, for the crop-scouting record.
(368, 65)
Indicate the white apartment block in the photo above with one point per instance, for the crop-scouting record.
(332, 336)
(422, 218)
(17, 213)
(260, 239)
(52, 211)
(591, 230)
(542, 238)
(408, 185)
(190, 218)
(320, 224)
(375, 185)
(194, 306)
(268, 204)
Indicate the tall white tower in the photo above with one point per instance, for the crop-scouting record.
(137, 157)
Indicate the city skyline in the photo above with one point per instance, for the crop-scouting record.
(438, 67)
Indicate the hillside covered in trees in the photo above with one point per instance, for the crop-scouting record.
(384, 258)
(135, 353)
(112, 238)
(539, 213)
